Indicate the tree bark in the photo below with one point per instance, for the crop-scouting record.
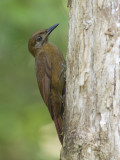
(92, 113)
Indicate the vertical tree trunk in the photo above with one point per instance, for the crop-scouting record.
(92, 113)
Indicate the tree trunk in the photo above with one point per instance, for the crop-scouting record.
(92, 113)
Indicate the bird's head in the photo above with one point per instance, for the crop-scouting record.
(39, 38)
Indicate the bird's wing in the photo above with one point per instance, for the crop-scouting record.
(43, 73)
(44, 76)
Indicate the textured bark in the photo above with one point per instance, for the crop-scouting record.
(92, 113)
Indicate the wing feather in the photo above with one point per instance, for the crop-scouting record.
(43, 73)
(44, 79)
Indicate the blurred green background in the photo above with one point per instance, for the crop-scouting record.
(26, 129)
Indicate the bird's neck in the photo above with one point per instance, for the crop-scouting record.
(47, 48)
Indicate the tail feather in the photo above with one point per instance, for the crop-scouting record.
(58, 124)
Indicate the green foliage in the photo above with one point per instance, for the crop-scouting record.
(22, 111)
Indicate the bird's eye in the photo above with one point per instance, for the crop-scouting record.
(39, 38)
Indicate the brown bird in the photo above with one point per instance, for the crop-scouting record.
(50, 72)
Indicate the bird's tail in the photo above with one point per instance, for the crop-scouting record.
(58, 124)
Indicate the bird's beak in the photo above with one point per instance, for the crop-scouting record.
(50, 29)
